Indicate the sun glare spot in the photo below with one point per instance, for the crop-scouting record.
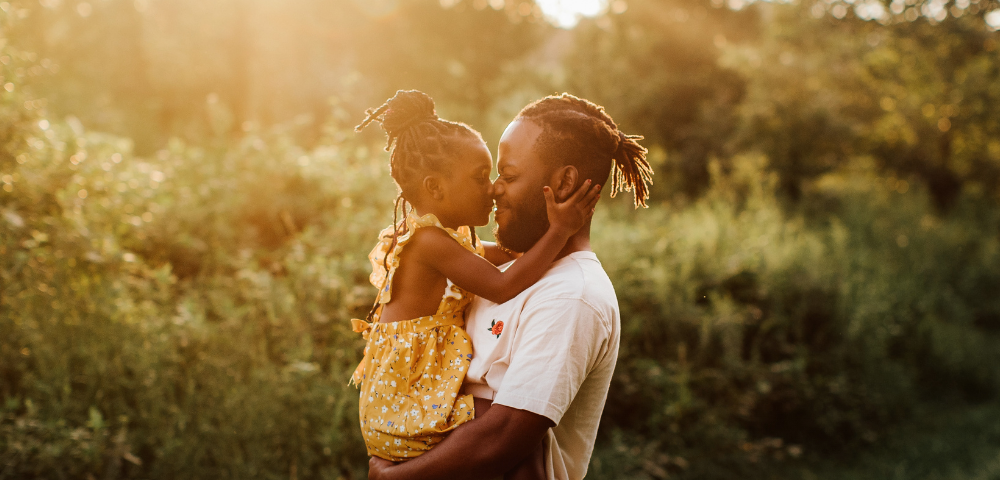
(567, 13)
(993, 19)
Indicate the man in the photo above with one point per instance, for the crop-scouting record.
(545, 358)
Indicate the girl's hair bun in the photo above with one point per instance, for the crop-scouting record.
(406, 109)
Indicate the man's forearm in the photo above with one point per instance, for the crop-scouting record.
(486, 447)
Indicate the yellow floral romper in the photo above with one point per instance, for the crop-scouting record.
(413, 369)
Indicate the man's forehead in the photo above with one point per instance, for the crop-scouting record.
(517, 144)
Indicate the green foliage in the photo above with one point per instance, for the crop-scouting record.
(233, 365)
(182, 315)
(919, 98)
(750, 334)
(657, 65)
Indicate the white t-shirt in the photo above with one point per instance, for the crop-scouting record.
(554, 355)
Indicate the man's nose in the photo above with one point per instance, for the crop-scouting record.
(496, 189)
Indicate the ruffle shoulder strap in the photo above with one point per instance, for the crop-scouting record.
(381, 278)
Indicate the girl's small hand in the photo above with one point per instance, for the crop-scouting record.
(569, 216)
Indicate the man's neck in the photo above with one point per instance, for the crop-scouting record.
(579, 242)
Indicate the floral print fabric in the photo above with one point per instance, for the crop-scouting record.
(412, 371)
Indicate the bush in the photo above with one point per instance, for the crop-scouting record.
(183, 315)
(751, 333)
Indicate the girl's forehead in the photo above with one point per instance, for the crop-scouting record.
(477, 155)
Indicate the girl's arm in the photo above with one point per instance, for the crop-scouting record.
(496, 255)
(477, 275)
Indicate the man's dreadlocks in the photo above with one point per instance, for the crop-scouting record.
(580, 133)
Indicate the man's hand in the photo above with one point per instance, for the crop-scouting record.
(378, 468)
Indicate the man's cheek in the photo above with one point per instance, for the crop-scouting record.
(502, 217)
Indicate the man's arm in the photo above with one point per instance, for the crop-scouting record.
(485, 447)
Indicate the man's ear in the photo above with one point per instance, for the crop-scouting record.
(565, 181)
(431, 187)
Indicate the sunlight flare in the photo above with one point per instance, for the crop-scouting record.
(567, 13)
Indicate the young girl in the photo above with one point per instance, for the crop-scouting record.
(427, 267)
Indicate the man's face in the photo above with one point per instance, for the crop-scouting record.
(520, 215)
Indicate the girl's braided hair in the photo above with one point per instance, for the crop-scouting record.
(580, 133)
(419, 143)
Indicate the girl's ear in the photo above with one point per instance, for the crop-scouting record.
(565, 181)
(432, 187)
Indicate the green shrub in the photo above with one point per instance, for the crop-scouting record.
(751, 332)
(183, 315)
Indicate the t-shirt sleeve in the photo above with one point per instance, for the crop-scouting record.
(557, 343)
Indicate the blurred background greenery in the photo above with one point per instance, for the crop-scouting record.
(185, 211)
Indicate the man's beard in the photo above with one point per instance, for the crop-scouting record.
(524, 227)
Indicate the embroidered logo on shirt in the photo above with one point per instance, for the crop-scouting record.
(496, 328)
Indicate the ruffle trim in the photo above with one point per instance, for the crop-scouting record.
(382, 279)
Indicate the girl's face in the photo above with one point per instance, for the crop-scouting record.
(468, 198)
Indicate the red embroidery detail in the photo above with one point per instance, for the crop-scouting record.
(496, 328)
